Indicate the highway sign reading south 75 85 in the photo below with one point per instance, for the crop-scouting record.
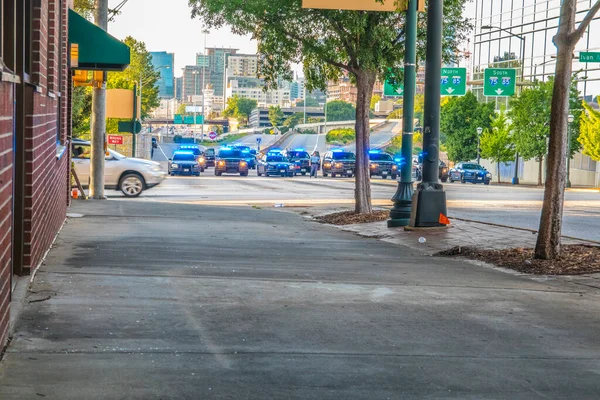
(454, 82)
(499, 82)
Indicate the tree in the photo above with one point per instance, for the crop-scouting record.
(374, 100)
(81, 110)
(181, 109)
(530, 115)
(85, 8)
(338, 110)
(140, 69)
(419, 107)
(459, 120)
(497, 143)
(549, 236)
(396, 114)
(293, 120)
(365, 45)
(240, 108)
(589, 137)
(310, 102)
(275, 116)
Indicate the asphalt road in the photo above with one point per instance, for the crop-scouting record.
(141, 300)
(501, 204)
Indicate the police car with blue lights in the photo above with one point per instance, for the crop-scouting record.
(231, 160)
(274, 163)
(300, 160)
(382, 164)
(197, 152)
(339, 162)
(184, 162)
(249, 155)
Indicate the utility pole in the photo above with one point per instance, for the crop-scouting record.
(203, 73)
(400, 213)
(98, 116)
(429, 199)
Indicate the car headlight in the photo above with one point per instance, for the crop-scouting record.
(327, 165)
(221, 163)
(243, 163)
(338, 165)
(374, 165)
(174, 165)
(488, 175)
(444, 170)
(394, 167)
(201, 160)
(155, 168)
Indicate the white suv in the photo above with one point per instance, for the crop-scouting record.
(130, 175)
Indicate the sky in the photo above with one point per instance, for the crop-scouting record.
(167, 26)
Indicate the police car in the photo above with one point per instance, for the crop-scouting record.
(301, 160)
(382, 164)
(184, 162)
(339, 162)
(274, 163)
(231, 160)
(197, 152)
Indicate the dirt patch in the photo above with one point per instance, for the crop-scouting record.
(574, 260)
(350, 217)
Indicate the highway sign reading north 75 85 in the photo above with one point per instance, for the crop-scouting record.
(499, 82)
(454, 82)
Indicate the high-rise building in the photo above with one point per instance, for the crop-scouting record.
(179, 88)
(242, 65)
(192, 81)
(215, 62)
(252, 88)
(525, 42)
(164, 63)
(297, 89)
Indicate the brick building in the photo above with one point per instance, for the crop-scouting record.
(34, 161)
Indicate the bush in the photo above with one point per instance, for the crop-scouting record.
(342, 136)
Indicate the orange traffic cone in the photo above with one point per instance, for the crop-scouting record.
(75, 193)
(444, 220)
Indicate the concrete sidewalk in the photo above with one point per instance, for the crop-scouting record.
(143, 300)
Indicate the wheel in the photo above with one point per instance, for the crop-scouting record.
(132, 185)
(444, 180)
(350, 176)
(462, 179)
(244, 173)
(486, 183)
(325, 174)
(394, 177)
(333, 175)
(258, 172)
(201, 169)
(451, 180)
(303, 173)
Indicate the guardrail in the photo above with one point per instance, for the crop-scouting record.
(279, 141)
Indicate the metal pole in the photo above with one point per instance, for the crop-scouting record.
(515, 179)
(98, 123)
(568, 183)
(134, 119)
(478, 149)
(304, 84)
(400, 213)
(194, 102)
(203, 87)
(429, 199)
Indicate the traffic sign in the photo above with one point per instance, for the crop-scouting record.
(454, 82)
(499, 82)
(393, 90)
(589, 56)
(258, 140)
(212, 135)
(178, 119)
(114, 139)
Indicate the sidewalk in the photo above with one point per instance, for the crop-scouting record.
(140, 300)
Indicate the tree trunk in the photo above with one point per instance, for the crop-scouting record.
(548, 240)
(365, 80)
(498, 171)
(540, 170)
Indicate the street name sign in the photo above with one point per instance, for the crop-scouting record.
(499, 82)
(454, 82)
(589, 56)
(114, 139)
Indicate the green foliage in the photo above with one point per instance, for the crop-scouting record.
(85, 8)
(293, 120)
(341, 136)
(240, 108)
(395, 145)
(338, 110)
(530, 115)
(460, 118)
(396, 114)
(181, 110)
(81, 110)
(419, 107)
(589, 137)
(497, 143)
(576, 110)
(314, 120)
(275, 116)
(310, 102)
(223, 139)
(374, 100)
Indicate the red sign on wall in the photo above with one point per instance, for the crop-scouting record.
(113, 139)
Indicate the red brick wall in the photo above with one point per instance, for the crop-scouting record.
(6, 173)
(46, 177)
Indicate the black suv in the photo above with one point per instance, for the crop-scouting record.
(301, 160)
(231, 161)
(184, 163)
(382, 164)
(339, 162)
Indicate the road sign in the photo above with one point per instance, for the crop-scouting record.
(499, 82)
(454, 82)
(393, 90)
(113, 139)
(212, 135)
(129, 126)
(258, 140)
(178, 119)
(589, 56)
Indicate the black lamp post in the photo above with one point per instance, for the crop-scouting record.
(479, 131)
(570, 118)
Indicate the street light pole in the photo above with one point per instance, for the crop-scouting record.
(479, 131)
(203, 84)
(400, 213)
(515, 179)
(195, 73)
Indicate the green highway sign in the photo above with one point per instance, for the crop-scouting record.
(454, 82)
(178, 119)
(499, 82)
(187, 119)
(392, 90)
(589, 56)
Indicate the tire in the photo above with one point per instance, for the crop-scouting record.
(243, 174)
(394, 177)
(445, 180)
(201, 169)
(451, 180)
(303, 173)
(462, 179)
(258, 172)
(486, 183)
(132, 185)
(333, 175)
(325, 175)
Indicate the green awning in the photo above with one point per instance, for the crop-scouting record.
(97, 49)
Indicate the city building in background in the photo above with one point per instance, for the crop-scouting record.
(179, 88)
(297, 89)
(259, 118)
(192, 81)
(509, 35)
(164, 63)
(242, 65)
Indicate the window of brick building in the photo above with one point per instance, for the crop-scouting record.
(7, 44)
